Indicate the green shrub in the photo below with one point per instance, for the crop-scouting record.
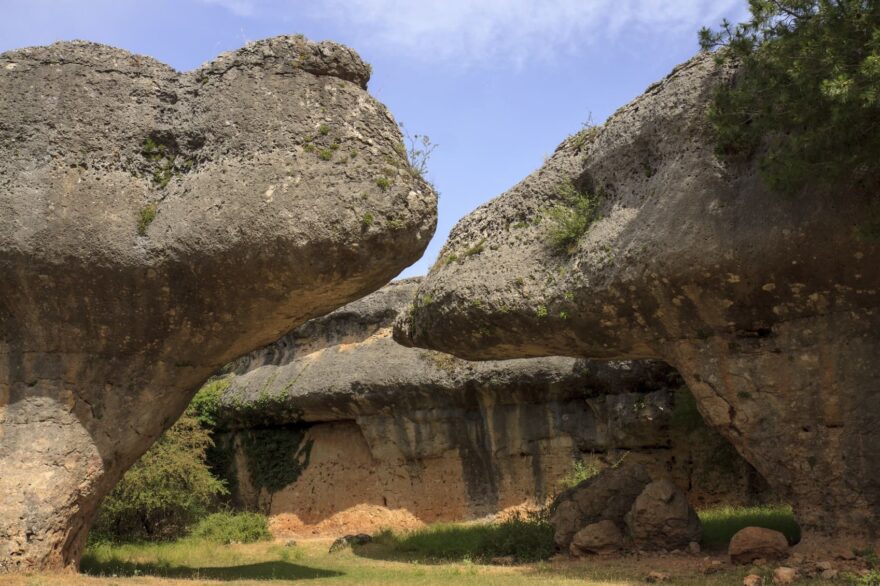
(721, 523)
(808, 88)
(227, 527)
(167, 490)
(571, 219)
(205, 406)
(527, 539)
(579, 472)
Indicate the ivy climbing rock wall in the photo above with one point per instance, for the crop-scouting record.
(155, 225)
(359, 433)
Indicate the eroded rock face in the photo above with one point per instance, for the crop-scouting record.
(766, 304)
(156, 225)
(371, 434)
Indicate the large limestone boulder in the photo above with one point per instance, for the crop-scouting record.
(662, 518)
(766, 304)
(607, 496)
(155, 225)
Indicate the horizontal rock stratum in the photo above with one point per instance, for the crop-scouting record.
(337, 429)
(768, 305)
(155, 225)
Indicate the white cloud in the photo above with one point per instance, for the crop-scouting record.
(481, 31)
(476, 31)
(237, 7)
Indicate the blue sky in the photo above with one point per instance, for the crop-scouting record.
(496, 84)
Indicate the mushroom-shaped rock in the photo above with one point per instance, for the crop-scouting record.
(767, 304)
(156, 225)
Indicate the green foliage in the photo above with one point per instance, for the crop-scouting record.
(721, 523)
(527, 539)
(228, 527)
(367, 220)
(168, 489)
(475, 249)
(579, 472)
(205, 406)
(808, 88)
(323, 130)
(419, 151)
(571, 219)
(541, 311)
(146, 215)
(383, 183)
(275, 456)
(325, 154)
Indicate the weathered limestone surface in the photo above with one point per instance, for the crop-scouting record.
(393, 436)
(110, 319)
(766, 304)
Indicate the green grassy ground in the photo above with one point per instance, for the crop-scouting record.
(439, 554)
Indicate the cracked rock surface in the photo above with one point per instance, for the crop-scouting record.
(155, 225)
(766, 304)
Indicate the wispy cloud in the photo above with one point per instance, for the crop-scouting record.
(474, 31)
(237, 7)
(482, 31)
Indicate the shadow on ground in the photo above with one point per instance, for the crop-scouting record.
(261, 571)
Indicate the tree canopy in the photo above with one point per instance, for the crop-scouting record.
(807, 89)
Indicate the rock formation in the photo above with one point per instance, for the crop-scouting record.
(766, 304)
(621, 507)
(156, 225)
(335, 428)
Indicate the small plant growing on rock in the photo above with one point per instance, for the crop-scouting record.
(367, 220)
(325, 154)
(323, 130)
(145, 217)
(579, 472)
(383, 183)
(572, 218)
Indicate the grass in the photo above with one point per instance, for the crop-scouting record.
(721, 523)
(190, 562)
(525, 539)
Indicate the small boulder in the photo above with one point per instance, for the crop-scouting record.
(783, 575)
(753, 580)
(608, 495)
(754, 543)
(662, 518)
(694, 547)
(828, 574)
(349, 540)
(602, 538)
